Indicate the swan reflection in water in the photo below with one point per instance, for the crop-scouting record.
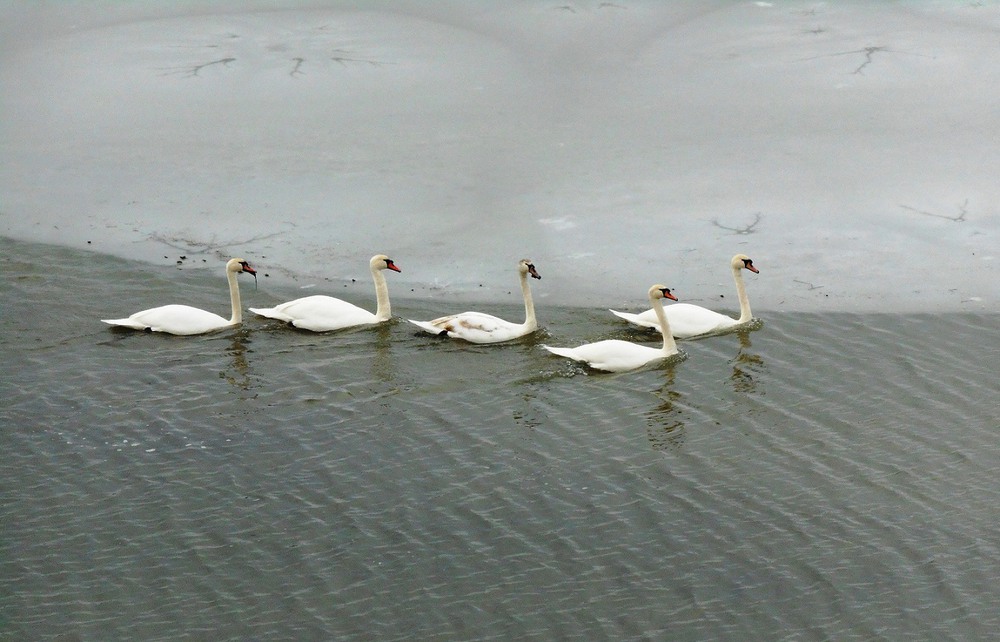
(665, 427)
(238, 374)
(382, 366)
(529, 416)
(747, 366)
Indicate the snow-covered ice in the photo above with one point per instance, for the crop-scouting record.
(850, 148)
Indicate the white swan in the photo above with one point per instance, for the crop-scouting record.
(321, 313)
(478, 327)
(615, 355)
(687, 320)
(183, 319)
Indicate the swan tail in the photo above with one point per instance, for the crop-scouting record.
(635, 319)
(562, 352)
(125, 323)
(428, 326)
(271, 313)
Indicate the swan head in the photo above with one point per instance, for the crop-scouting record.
(383, 262)
(661, 292)
(238, 266)
(527, 267)
(743, 262)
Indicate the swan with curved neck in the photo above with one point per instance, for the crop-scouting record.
(478, 327)
(687, 320)
(321, 313)
(184, 319)
(615, 355)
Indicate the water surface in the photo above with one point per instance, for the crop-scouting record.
(827, 476)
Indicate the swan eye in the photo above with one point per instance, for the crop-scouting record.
(747, 262)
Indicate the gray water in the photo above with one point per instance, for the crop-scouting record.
(827, 476)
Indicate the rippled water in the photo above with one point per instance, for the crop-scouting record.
(827, 476)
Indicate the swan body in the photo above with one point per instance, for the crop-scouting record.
(321, 313)
(478, 327)
(687, 320)
(615, 355)
(184, 319)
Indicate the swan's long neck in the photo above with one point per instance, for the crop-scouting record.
(529, 305)
(741, 292)
(669, 345)
(384, 310)
(234, 298)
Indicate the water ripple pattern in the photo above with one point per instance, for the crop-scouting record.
(826, 476)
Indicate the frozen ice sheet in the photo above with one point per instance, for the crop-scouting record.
(849, 148)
